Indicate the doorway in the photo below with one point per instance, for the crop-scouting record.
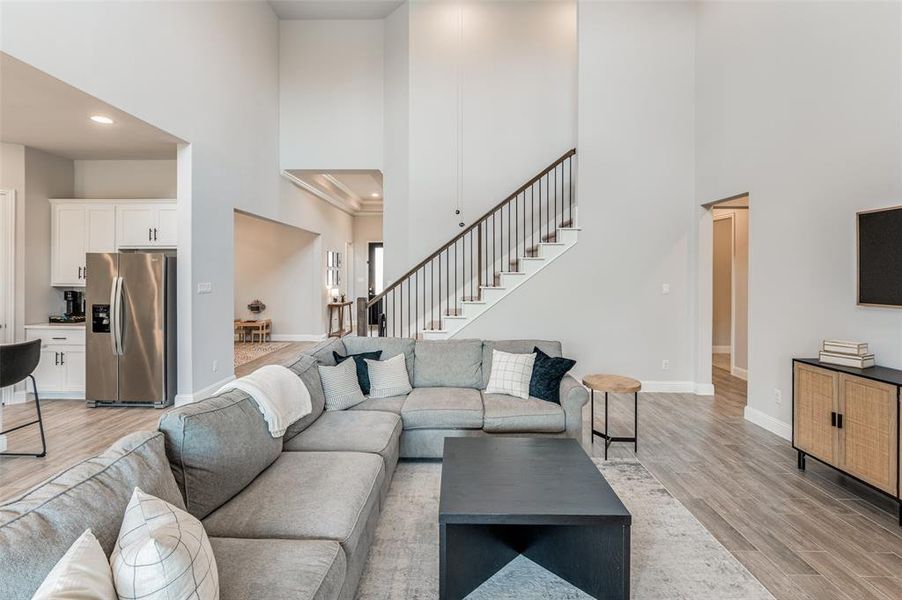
(729, 283)
(375, 282)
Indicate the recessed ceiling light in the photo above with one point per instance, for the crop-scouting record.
(102, 120)
(375, 194)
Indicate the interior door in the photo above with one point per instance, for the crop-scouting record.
(816, 397)
(69, 245)
(141, 366)
(136, 223)
(868, 447)
(167, 226)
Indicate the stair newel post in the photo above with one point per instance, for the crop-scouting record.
(362, 320)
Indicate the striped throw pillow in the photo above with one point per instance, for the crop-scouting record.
(388, 377)
(162, 552)
(340, 385)
(511, 374)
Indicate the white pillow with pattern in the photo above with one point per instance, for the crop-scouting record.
(388, 377)
(162, 553)
(510, 374)
(341, 386)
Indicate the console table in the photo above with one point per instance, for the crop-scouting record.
(848, 419)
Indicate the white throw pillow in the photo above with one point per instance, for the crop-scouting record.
(162, 553)
(388, 377)
(510, 374)
(340, 385)
(83, 573)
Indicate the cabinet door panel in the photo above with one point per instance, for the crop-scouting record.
(48, 375)
(167, 229)
(816, 394)
(136, 223)
(868, 447)
(101, 228)
(74, 365)
(68, 245)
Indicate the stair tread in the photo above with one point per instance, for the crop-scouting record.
(472, 301)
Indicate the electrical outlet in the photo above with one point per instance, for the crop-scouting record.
(665, 364)
(204, 287)
(215, 365)
(778, 395)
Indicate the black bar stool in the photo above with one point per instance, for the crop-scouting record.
(18, 362)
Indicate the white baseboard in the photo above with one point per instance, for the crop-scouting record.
(298, 337)
(182, 399)
(720, 349)
(678, 387)
(765, 421)
(740, 373)
(21, 396)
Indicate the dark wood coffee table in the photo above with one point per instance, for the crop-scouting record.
(540, 497)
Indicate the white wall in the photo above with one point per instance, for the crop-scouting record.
(279, 265)
(636, 190)
(367, 228)
(12, 177)
(330, 96)
(206, 72)
(125, 179)
(800, 105)
(513, 67)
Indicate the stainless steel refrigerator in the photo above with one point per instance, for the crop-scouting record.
(131, 329)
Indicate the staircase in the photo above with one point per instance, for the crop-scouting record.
(488, 260)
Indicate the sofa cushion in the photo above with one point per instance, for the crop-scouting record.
(363, 374)
(448, 363)
(216, 447)
(392, 404)
(352, 431)
(508, 414)
(305, 495)
(38, 528)
(278, 569)
(389, 346)
(323, 353)
(442, 408)
(305, 367)
(550, 348)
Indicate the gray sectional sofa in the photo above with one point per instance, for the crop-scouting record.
(289, 517)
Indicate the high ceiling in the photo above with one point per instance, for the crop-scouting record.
(353, 191)
(334, 9)
(42, 112)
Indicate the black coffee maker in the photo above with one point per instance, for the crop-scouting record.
(75, 310)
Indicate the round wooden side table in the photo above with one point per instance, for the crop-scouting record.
(614, 384)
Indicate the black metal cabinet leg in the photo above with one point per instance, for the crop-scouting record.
(636, 423)
(801, 461)
(606, 438)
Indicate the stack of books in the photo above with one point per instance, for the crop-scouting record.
(846, 354)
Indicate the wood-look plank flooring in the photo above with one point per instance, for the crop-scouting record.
(75, 432)
(812, 535)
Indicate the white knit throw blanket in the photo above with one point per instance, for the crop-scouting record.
(280, 394)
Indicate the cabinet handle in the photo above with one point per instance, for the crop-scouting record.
(56, 358)
(839, 420)
(84, 272)
(62, 358)
(59, 338)
(79, 272)
(833, 419)
(149, 234)
(154, 234)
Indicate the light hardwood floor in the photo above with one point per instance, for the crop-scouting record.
(75, 432)
(811, 535)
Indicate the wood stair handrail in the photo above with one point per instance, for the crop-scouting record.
(476, 223)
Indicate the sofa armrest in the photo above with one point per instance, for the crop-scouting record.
(573, 397)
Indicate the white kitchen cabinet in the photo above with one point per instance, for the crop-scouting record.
(147, 225)
(78, 227)
(61, 370)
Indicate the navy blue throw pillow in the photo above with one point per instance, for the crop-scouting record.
(547, 373)
(363, 374)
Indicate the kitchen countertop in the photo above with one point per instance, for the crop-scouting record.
(55, 326)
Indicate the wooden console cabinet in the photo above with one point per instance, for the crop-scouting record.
(848, 419)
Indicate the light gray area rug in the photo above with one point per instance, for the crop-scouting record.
(673, 556)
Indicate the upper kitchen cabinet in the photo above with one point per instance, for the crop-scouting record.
(79, 227)
(82, 226)
(147, 224)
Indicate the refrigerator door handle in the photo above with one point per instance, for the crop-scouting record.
(116, 316)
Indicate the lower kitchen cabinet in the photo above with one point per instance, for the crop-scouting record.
(61, 372)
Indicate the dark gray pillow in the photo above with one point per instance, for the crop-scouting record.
(305, 367)
(216, 447)
(37, 528)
